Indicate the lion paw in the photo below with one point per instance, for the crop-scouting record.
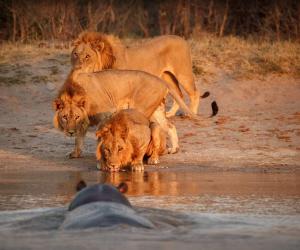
(98, 166)
(170, 114)
(74, 154)
(173, 150)
(137, 167)
(153, 161)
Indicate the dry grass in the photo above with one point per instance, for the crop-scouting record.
(241, 58)
(21, 63)
(238, 58)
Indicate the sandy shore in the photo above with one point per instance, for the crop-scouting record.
(258, 126)
(257, 130)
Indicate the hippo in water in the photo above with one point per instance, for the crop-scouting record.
(102, 205)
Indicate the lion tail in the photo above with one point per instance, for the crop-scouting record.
(214, 105)
(174, 93)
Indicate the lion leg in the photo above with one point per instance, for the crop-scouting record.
(76, 153)
(172, 111)
(155, 144)
(169, 77)
(172, 133)
(137, 162)
(188, 84)
(159, 116)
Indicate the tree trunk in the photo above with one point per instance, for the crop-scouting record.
(14, 32)
(221, 33)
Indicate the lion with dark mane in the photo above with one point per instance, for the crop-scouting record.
(125, 138)
(167, 57)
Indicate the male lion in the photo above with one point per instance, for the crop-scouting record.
(85, 98)
(167, 57)
(125, 138)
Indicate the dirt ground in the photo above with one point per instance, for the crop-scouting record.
(258, 125)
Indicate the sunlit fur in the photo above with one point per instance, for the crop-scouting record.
(125, 138)
(91, 95)
(92, 52)
(167, 57)
(71, 116)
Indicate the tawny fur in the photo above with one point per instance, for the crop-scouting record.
(125, 138)
(85, 98)
(167, 57)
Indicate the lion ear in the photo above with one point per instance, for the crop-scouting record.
(97, 45)
(58, 104)
(76, 42)
(102, 131)
(82, 103)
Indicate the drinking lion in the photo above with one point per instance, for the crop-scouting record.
(125, 138)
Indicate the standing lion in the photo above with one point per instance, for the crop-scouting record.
(167, 57)
(85, 98)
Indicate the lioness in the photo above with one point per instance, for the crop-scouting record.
(84, 98)
(125, 138)
(167, 57)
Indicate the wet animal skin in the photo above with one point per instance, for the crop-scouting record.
(102, 205)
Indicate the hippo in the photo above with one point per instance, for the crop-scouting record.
(102, 205)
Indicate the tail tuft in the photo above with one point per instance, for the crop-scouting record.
(215, 108)
(206, 94)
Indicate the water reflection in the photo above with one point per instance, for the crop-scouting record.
(174, 189)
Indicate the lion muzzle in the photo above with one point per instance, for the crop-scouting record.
(70, 132)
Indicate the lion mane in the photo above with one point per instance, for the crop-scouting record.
(167, 57)
(125, 138)
(86, 98)
(100, 44)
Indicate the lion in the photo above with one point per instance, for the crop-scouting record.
(167, 57)
(125, 138)
(86, 98)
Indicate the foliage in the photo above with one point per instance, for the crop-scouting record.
(27, 20)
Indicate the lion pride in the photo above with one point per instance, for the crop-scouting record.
(86, 98)
(167, 57)
(125, 138)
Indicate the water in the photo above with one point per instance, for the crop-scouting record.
(201, 210)
(172, 189)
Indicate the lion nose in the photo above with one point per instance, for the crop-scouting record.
(114, 167)
(71, 132)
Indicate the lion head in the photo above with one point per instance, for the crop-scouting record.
(92, 52)
(113, 149)
(71, 116)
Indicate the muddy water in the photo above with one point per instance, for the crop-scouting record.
(172, 189)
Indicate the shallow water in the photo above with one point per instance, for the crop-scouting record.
(202, 210)
(172, 189)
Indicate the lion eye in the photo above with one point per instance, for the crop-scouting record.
(87, 56)
(107, 150)
(120, 148)
(77, 117)
(65, 117)
(75, 54)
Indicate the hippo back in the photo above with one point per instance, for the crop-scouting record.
(98, 193)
